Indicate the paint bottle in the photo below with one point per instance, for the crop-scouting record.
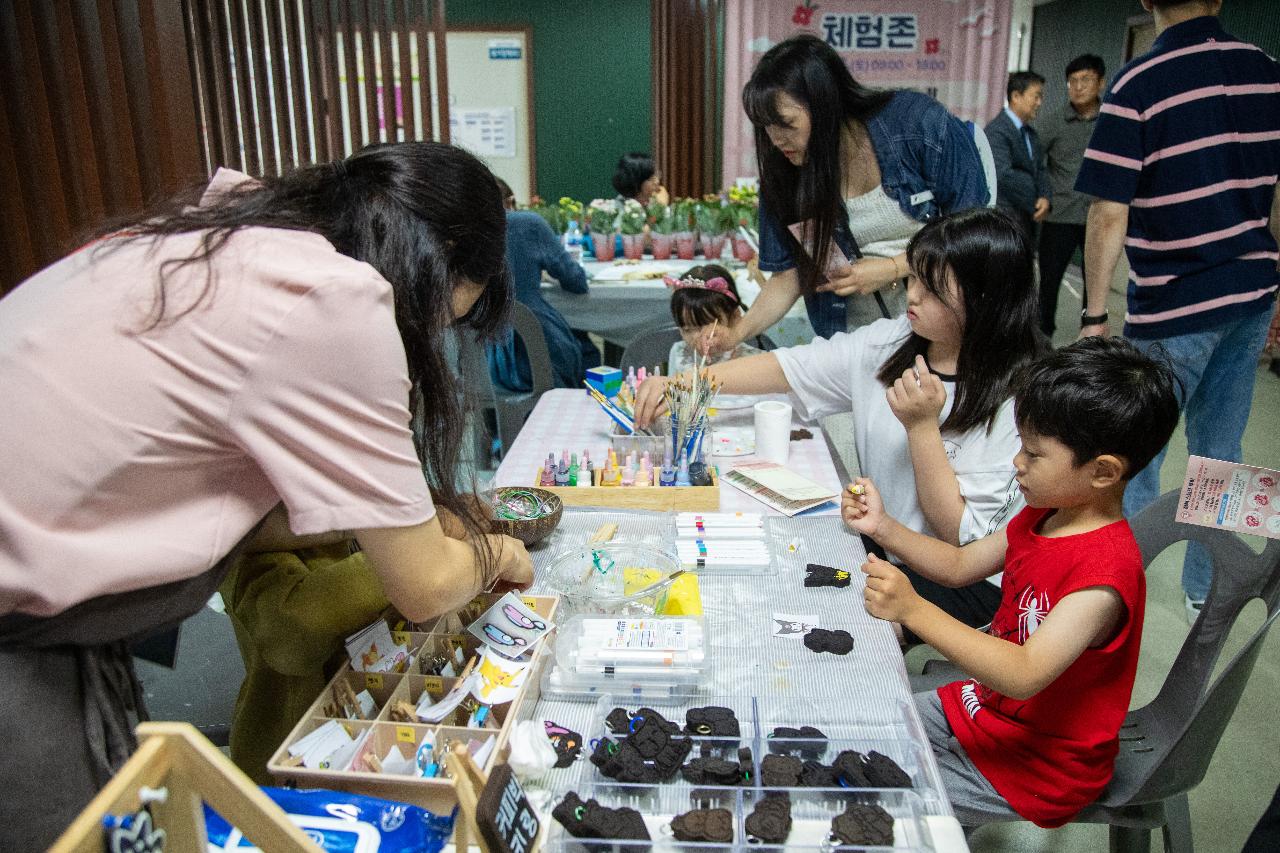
(667, 477)
(682, 475)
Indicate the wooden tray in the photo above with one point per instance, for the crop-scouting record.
(436, 794)
(680, 498)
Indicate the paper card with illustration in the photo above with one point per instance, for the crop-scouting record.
(498, 679)
(790, 626)
(1231, 496)
(372, 649)
(509, 627)
(836, 258)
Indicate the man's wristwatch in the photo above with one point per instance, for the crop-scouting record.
(1087, 319)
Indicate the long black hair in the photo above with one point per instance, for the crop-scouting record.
(422, 214)
(990, 258)
(806, 68)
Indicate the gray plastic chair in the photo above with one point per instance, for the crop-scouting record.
(650, 348)
(511, 408)
(1166, 745)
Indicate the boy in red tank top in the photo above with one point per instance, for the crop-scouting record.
(1033, 733)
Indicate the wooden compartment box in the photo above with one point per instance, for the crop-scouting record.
(389, 687)
(679, 498)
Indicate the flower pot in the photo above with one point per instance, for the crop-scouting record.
(713, 245)
(662, 245)
(633, 246)
(602, 245)
(742, 250)
(684, 244)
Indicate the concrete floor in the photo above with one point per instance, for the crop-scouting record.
(1245, 770)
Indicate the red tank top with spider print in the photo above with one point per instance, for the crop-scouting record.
(1053, 754)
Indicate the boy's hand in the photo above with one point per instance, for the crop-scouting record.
(917, 397)
(650, 400)
(861, 507)
(888, 593)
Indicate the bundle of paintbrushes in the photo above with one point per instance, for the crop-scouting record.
(688, 398)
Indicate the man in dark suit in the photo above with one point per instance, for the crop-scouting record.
(1022, 181)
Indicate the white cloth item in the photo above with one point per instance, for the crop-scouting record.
(878, 225)
(839, 374)
(988, 161)
(532, 754)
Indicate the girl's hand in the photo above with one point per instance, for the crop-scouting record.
(917, 397)
(861, 507)
(651, 400)
(888, 593)
(864, 276)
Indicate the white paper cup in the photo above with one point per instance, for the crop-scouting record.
(773, 431)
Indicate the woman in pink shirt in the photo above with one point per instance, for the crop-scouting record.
(262, 346)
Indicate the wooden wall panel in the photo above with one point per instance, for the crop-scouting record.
(686, 38)
(96, 118)
(112, 104)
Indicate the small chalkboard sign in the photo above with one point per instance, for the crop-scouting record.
(503, 814)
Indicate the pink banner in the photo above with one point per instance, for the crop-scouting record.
(953, 50)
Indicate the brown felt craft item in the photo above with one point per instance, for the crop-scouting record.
(714, 826)
(770, 820)
(865, 825)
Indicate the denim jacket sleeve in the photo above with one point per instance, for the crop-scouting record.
(928, 160)
(775, 252)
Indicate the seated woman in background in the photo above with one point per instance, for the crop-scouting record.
(706, 307)
(929, 391)
(637, 176)
(533, 248)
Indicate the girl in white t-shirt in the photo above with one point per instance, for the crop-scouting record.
(929, 391)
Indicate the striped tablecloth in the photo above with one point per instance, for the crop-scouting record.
(570, 420)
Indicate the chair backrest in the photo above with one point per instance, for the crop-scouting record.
(1189, 714)
(529, 329)
(650, 348)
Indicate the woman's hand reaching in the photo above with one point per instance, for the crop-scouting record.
(863, 276)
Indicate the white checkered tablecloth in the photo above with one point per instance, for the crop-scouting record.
(566, 419)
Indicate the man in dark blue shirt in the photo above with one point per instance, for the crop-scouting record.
(1183, 166)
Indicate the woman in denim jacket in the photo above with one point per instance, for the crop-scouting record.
(864, 170)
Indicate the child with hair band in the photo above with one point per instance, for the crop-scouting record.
(705, 306)
(929, 391)
(1033, 733)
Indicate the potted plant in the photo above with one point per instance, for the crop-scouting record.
(602, 220)
(685, 234)
(550, 213)
(713, 219)
(631, 223)
(745, 202)
(662, 227)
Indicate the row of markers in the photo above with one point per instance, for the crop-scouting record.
(632, 471)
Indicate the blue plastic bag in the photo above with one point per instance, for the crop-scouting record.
(344, 823)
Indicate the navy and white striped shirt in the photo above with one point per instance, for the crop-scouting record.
(1189, 138)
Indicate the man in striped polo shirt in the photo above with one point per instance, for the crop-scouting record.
(1183, 165)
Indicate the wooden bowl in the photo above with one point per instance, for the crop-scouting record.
(536, 529)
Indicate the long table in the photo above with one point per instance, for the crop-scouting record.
(619, 310)
(565, 419)
(861, 701)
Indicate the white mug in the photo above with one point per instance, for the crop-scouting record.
(773, 431)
